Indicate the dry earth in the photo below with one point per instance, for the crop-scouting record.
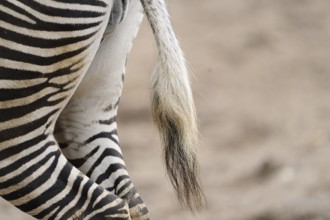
(262, 89)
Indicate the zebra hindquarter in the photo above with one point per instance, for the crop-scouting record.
(45, 49)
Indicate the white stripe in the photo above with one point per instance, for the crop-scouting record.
(125, 190)
(79, 195)
(108, 206)
(48, 35)
(58, 19)
(25, 119)
(58, 96)
(16, 15)
(20, 84)
(81, 57)
(16, 141)
(28, 99)
(89, 196)
(28, 179)
(64, 193)
(44, 186)
(109, 181)
(60, 80)
(51, 213)
(69, 6)
(12, 159)
(44, 52)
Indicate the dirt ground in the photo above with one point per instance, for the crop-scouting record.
(262, 89)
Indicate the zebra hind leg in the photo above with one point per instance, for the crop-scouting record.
(91, 144)
(87, 129)
(38, 179)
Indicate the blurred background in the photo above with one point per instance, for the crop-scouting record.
(262, 89)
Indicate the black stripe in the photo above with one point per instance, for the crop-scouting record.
(66, 201)
(107, 152)
(110, 170)
(47, 26)
(33, 185)
(19, 131)
(24, 160)
(107, 135)
(124, 187)
(53, 191)
(109, 211)
(39, 42)
(80, 161)
(63, 145)
(10, 94)
(39, 60)
(80, 202)
(15, 74)
(117, 181)
(64, 12)
(53, 11)
(108, 122)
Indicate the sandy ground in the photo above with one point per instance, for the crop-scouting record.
(262, 76)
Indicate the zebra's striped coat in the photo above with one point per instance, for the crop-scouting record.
(47, 49)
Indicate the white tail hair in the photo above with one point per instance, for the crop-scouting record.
(173, 108)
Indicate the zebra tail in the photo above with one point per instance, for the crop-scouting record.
(173, 108)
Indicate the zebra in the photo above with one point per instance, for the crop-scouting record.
(61, 75)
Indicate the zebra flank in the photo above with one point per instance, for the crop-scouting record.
(62, 65)
(173, 108)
